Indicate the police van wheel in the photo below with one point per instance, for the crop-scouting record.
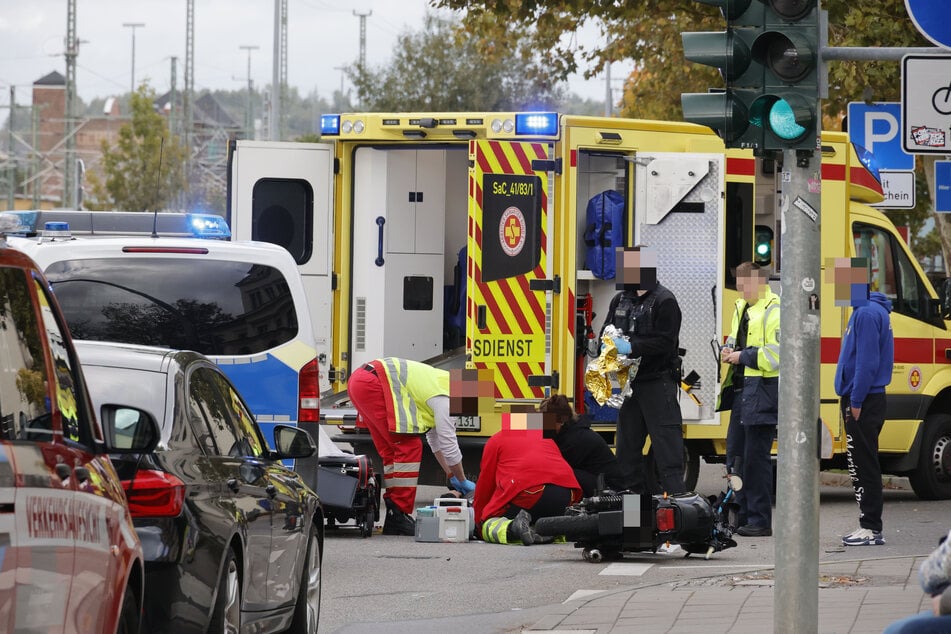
(931, 479)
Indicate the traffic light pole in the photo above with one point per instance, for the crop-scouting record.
(796, 528)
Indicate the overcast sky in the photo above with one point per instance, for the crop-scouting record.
(322, 36)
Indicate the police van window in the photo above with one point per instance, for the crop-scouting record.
(65, 383)
(221, 308)
(282, 212)
(24, 392)
(738, 229)
(891, 272)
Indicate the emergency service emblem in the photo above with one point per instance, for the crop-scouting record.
(914, 378)
(512, 231)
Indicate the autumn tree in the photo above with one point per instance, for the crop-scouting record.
(444, 68)
(144, 171)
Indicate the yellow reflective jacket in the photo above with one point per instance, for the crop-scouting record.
(763, 334)
(411, 384)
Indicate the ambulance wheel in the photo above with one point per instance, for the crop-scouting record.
(573, 527)
(691, 467)
(931, 479)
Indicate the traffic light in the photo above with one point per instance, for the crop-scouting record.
(769, 60)
(763, 247)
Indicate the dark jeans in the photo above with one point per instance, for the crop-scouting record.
(551, 503)
(758, 474)
(652, 409)
(864, 468)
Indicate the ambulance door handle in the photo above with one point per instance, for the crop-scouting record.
(480, 317)
(380, 221)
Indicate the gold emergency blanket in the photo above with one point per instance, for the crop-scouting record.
(609, 370)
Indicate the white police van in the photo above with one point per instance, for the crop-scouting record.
(151, 279)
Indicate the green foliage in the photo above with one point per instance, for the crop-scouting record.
(444, 68)
(143, 172)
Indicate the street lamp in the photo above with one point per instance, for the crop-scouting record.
(249, 115)
(133, 26)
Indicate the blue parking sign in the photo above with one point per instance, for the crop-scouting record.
(942, 185)
(877, 128)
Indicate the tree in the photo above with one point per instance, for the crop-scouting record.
(444, 68)
(143, 172)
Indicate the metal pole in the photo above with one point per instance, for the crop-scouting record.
(274, 114)
(35, 157)
(11, 169)
(249, 112)
(133, 26)
(796, 526)
(69, 155)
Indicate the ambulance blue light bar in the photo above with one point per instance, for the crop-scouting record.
(330, 124)
(537, 123)
(867, 159)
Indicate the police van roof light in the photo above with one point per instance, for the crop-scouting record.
(537, 123)
(330, 124)
(208, 226)
(53, 230)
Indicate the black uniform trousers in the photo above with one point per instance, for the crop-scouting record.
(651, 409)
(864, 468)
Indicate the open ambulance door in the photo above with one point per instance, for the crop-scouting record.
(283, 193)
(678, 213)
(508, 267)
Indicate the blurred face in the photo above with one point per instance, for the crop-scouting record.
(753, 286)
(471, 391)
(849, 277)
(636, 269)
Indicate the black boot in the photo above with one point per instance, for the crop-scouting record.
(397, 522)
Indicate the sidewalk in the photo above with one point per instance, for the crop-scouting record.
(856, 596)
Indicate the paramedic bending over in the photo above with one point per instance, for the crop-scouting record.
(398, 400)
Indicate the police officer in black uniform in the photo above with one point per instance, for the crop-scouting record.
(649, 315)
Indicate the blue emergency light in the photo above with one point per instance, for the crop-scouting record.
(537, 123)
(867, 159)
(208, 226)
(330, 124)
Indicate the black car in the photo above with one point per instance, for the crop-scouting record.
(232, 538)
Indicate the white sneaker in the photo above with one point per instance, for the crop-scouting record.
(863, 537)
(668, 549)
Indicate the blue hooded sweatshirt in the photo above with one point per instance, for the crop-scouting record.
(868, 352)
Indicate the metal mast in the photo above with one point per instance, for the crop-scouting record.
(69, 159)
(188, 93)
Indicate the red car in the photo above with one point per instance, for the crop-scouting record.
(70, 560)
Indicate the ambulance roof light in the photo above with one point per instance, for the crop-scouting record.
(330, 124)
(867, 159)
(536, 123)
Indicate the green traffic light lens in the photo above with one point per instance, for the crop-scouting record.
(782, 121)
(762, 249)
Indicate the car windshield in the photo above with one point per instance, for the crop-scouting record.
(216, 307)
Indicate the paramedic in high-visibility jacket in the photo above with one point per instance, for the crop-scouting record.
(649, 315)
(398, 400)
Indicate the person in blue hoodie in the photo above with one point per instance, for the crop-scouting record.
(861, 374)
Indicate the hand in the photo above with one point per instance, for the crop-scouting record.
(725, 352)
(623, 345)
(465, 486)
(734, 358)
(856, 412)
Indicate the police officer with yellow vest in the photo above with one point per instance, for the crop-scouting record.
(753, 351)
(398, 400)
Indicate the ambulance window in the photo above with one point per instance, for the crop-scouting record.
(282, 213)
(24, 392)
(891, 272)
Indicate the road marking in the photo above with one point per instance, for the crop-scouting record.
(626, 570)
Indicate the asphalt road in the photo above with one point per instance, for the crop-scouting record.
(379, 583)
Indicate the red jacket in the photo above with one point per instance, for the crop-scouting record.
(513, 461)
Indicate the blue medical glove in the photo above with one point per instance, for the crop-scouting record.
(623, 346)
(465, 486)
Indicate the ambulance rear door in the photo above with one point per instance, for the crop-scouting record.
(509, 264)
(283, 193)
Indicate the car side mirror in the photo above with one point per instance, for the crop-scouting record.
(128, 430)
(292, 442)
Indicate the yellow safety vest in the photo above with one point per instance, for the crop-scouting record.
(412, 384)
